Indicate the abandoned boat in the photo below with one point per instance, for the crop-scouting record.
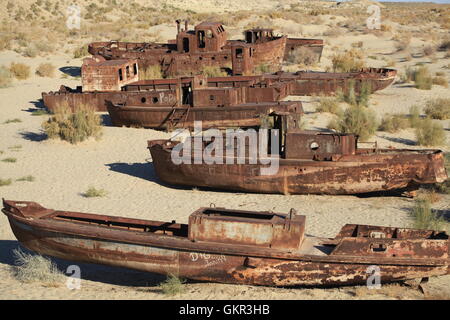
(217, 116)
(233, 246)
(117, 81)
(305, 162)
(207, 45)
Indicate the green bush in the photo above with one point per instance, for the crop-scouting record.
(422, 78)
(430, 133)
(424, 217)
(173, 285)
(352, 60)
(93, 193)
(73, 126)
(356, 119)
(438, 108)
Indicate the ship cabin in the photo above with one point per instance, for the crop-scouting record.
(206, 37)
(99, 74)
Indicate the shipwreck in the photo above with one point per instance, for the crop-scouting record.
(208, 45)
(117, 81)
(308, 162)
(233, 246)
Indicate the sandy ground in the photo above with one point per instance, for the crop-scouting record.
(121, 164)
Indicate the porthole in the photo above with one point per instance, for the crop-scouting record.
(155, 100)
(143, 100)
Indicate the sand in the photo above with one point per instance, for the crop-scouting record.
(120, 163)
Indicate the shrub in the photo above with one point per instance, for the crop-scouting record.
(40, 112)
(46, 70)
(438, 108)
(328, 104)
(303, 56)
(5, 182)
(5, 77)
(81, 52)
(10, 160)
(15, 120)
(356, 119)
(28, 178)
(393, 123)
(422, 78)
(352, 60)
(414, 116)
(430, 133)
(213, 71)
(429, 50)
(441, 81)
(93, 192)
(151, 72)
(32, 268)
(424, 217)
(73, 126)
(20, 70)
(172, 285)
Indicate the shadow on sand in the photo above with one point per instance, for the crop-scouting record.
(71, 71)
(33, 136)
(92, 272)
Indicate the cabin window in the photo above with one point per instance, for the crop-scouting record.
(135, 68)
(239, 53)
(225, 57)
(186, 44)
(120, 75)
(314, 146)
(211, 97)
(201, 39)
(128, 71)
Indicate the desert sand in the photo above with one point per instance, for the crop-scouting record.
(121, 164)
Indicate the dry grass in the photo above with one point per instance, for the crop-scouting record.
(328, 104)
(440, 81)
(46, 70)
(438, 108)
(213, 71)
(20, 70)
(81, 52)
(28, 178)
(73, 126)
(9, 160)
(422, 78)
(5, 77)
(430, 133)
(151, 72)
(394, 123)
(351, 60)
(15, 120)
(36, 268)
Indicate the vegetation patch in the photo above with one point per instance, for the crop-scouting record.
(15, 120)
(213, 71)
(151, 72)
(73, 126)
(5, 77)
(302, 56)
(36, 268)
(328, 104)
(28, 178)
(10, 160)
(5, 182)
(394, 122)
(20, 70)
(430, 133)
(426, 218)
(438, 108)
(93, 193)
(173, 285)
(46, 70)
(352, 60)
(356, 119)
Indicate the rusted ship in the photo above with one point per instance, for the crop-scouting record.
(233, 246)
(308, 162)
(116, 81)
(207, 45)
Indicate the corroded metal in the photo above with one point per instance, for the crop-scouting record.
(208, 45)
(233, 246)
(309, 163)
(263, 88)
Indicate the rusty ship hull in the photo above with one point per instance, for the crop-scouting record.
(267, 87)
(365, 171)
(168, 118)
(169, 248)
